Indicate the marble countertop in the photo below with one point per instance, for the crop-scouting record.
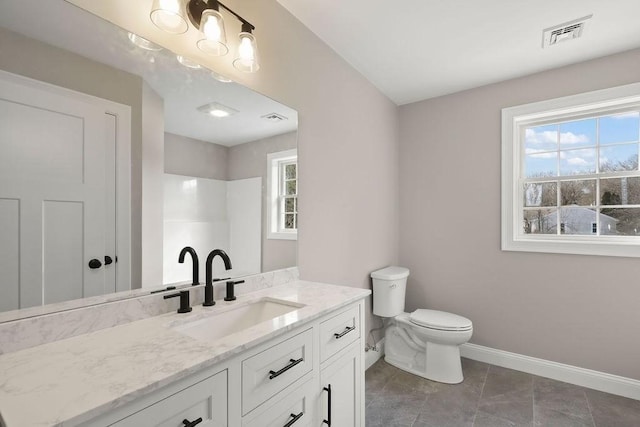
(74, 380)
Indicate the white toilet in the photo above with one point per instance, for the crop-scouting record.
(425, 342)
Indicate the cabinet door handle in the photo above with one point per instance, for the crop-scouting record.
(193, 423)
(345, 332)
(108, 260)
(292, 363)
(95, 264)
(294, 419)
(328, 420)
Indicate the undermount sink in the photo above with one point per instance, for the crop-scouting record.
(236, 319)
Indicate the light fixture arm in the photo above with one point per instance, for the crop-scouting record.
(196, 7)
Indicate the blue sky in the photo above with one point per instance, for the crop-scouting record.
(577, 141)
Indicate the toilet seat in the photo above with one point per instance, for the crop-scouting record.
(440, 320)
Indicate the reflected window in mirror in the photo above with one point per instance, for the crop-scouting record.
(283, 195)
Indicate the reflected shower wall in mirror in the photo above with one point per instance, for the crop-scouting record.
(66, 137)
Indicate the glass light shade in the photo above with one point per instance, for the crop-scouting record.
(247, 59)
(169, 15)
(143, 43)
(221, 78)
(214, 41)
(188, 62)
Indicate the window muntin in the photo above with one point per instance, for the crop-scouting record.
(596, 150)
(573, 161)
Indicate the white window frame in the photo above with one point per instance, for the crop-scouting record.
(514, 121)
(275, 162)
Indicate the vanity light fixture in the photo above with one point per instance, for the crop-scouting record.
(206, 17)
(218, 110)
(143, 43)
(169, 15)
(188, 62)
(221, 78)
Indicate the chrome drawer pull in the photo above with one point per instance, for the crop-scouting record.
(295, 418)
(345, 332)
(292, 363)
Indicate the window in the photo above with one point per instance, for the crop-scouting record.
(570, 174)
(283, 195)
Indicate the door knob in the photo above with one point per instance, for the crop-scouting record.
(94, 263)
(108, 260)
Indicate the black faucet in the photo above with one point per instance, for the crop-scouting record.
(208, 288)
(185, 307)
(194, 260)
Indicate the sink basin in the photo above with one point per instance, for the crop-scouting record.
(215, 326)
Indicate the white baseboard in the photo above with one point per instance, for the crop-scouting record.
(371, 356)
(596, 380)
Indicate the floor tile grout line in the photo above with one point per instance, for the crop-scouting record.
(593, 420)
(533, 401)
(484, 381)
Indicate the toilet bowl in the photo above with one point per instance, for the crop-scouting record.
(424, 342)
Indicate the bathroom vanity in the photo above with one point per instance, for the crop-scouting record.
(289, 355)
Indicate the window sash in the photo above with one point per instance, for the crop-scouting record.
(515, 120)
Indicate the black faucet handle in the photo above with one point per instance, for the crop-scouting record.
(231, 289)
(185, 306)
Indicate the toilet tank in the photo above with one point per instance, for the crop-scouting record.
(389, 288)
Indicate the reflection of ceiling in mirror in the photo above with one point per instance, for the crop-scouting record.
(184, 90)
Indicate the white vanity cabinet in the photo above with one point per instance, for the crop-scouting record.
(341, 376)
(282, 382)
(203, 404)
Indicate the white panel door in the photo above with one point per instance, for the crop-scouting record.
(57, 172)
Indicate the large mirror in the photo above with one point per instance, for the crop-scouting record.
(115, 154)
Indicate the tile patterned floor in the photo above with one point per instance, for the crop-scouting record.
(490, 396)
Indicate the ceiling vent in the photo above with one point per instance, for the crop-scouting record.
(274, 117)
(564, 32)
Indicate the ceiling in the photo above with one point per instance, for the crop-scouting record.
(63, 25)
(417, 49)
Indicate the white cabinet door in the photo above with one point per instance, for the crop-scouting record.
(342, 405)
(56, 174)
(203, 404)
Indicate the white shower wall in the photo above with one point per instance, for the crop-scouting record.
(209, 214)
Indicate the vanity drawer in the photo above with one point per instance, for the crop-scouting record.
(275, 368)
(206, 399)
(295, 408)
(339, 331)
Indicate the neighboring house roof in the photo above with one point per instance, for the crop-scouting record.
(580, 209)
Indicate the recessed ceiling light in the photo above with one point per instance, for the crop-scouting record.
(215, 109)
(143, 43)
(188, 63)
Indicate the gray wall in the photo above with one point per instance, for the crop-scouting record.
(579, 310)
(40, 61)
(248, 161)
(193, 157)
(347, 147)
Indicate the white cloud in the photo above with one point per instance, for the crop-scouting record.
(551, 137)
(545, 137)
(572, 138)
(577, 161)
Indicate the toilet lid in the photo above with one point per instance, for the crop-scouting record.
(440, 320)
